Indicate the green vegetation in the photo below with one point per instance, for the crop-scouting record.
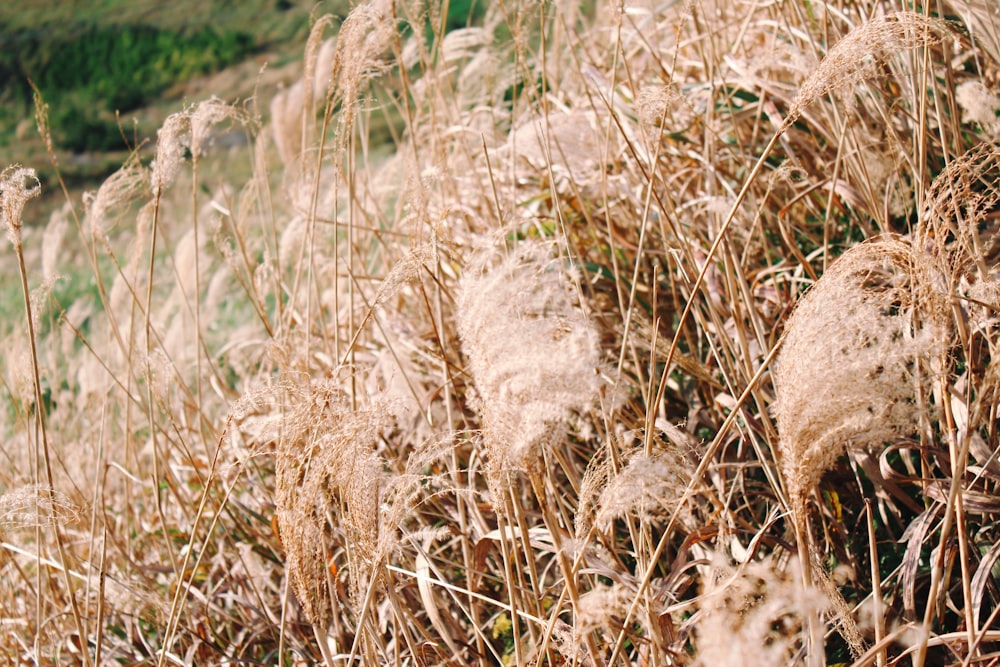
(119, 67)
(94, 72)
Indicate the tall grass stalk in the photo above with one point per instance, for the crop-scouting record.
(15, 192)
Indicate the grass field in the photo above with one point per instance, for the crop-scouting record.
(646, 334)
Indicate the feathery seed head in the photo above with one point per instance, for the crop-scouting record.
(957, 203)
(760, 609)
(648, 487)
(204, 117)
(532, 351)
(35, 505)
(17, 185)
(327, 469)
(171, 140)
(855, 357)
(363, 38)
(979, 105)
(860, 55)
(663, 105)
(119, 189)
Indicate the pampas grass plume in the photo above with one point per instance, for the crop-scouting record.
(753, 614)
(860, 55)
(17, 186)
(327, 467)
(854, 360)
(532, 352)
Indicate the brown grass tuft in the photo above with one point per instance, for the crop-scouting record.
(345, 396)
(856, 362)
(753, 614)
(327, 469)
(532, 353)
(863, 52)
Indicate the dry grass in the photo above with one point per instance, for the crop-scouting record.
(643, 304)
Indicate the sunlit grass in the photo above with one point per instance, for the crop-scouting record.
(435, 367)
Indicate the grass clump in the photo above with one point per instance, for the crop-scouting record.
(658, 335)
(532, 354)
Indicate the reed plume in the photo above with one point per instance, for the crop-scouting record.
(862, 53)
(532, 353)
(327, 467)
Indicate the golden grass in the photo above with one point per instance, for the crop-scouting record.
(644, 304)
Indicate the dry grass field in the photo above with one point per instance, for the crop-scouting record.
(650, 333)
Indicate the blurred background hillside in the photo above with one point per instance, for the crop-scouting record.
(110, 71)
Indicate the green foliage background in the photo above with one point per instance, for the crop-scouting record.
(99, 70)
